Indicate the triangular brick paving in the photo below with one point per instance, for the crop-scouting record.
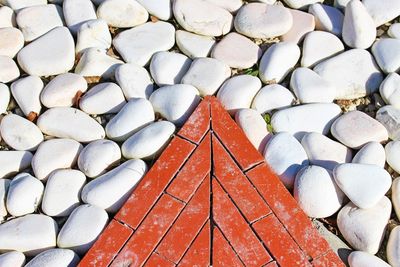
(210, 200)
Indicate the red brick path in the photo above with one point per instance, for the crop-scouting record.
(210, 200)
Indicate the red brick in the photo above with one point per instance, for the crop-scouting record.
(237, 185)
(223, 254)
(279, 243)
(233, 137)
(150, 232)
(271, 264)
(198, 254)
(153, 184)
(194, 171)
(187, 226)
(236, 229)
(330, 259)
(285, 207)
(156, 260)
(107, 246)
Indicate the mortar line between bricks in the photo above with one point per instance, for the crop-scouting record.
(211, 214)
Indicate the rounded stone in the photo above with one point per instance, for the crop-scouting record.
(271, 97)
(361, 258)
(77, 12)
(390, 90)
(12, 162)
(396, 196)
(159, 8)
(134, 81)
(7, 17)
(327, 18)
(394, 30)
(387, 54)
(392, 150)
(389, 116)
(194, 45)
(93, 34)
(54, 257)
(392, 248)
(26, 92)
(371, 153)
(11, 41)
(8, 69)
(4, 97)
(303, 23)
(12, 259)
(122, 13)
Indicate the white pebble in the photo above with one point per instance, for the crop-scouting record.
(393, 245)
(122, 13)
(396, 196)
(371, 153)
(386, 52)
(17, 5)
(327, 18)
(11, 41)
(382, 11)
(194, 45)
(8, 69)
(392, 150)
(270, 97)
(389, 116)
(364, 259)
(12, 259)
(300, 4)
(4, 97)
(77, 12)
(26, 92)
(168, 68)
(4, 185)
(54, 257)
(134, 80)
(12, 162)
(93, 33)
(390, 90)
(159, 8)
(394, 30)
(7, 17)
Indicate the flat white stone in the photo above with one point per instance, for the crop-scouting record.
(8, 69)
(360, 259)
(98, 156)
(149, 141)
(390, 90)
(175, 102)
(355, 128)
(300, 120)
(51, 54)
(19, 133)
(392, 150)
(303, 23)
(19, 4)
(323, 151)
(371, 153)
(77, 12)
(363, 184)
(207, 75)
(4, 97)
(278, 61)
(93, 33)
(4, 185)
(230, 5)
(300, 4)
(12, 259)
(396, 196)
(35, 21)
(30, 234)
(103, 98)
(392, 248)
(11, 41)
(238, 92)
(65, 122)
(12, 162)
(82, 228)
(138, 44)
(168, 68)
(382, 11)
(110, 190)
(7, 17)
(387, 54)
(327, 18)
(61, 91)
(318, 46)
(61, 195)
(202, 17)
(389, 116)
(24, 194)
(364, 229)
(309, 87)
(26, 92)
(55, 154)
(54, 257)
(158, 8)
(286, 157)
(394, 30)
(270, 97)
(134, 81)
(259, 20)
(122, 13)
(354, 73)
(136, 114)
(194, 45)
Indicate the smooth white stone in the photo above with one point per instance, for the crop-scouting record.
(300, 120)
(194, 45)
(12, 259)
(8, 69)
(354, 73)
(12, 162)
(318, 46)
(110, 190)
(4, 97)
(355, 128)
(103, 98)
(138, 44)
(394, 30)
(259, 20)
(359, 29)
(202, 17)
(207, 75)
(238, 92)
(61, 195)
(389, 116)
(230, 5)
(30, 234)
(26, 92)
(158, 8)
(387, 54)
(371, 153)
(55, 154)
(7, 17)
(309, 87)
(270, 97)
(19, 4)
(149, 141)
(392, 150)
(134, 81)
(323, 151)
(364, 259)
(82, 228)
(300, 4)
(254, 126)
(51, 54)
(327, 18)
(93, 33)
(168, 68)
(392, 248)
(364, 229)
(11, 41)
(65, 122)
(286, 157)
(303, 23)
(24, 194)
(364, 184)
(61, 91)
(136, 114)
(382, 11)
(175, 102)
(278, 61)
(4, 185)
(122, 13)
(396, 196)
(98, 156)
(19, 133)
(54, 257)
(77, 12)
(390, 90)
(95, 62)
(35, 21)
